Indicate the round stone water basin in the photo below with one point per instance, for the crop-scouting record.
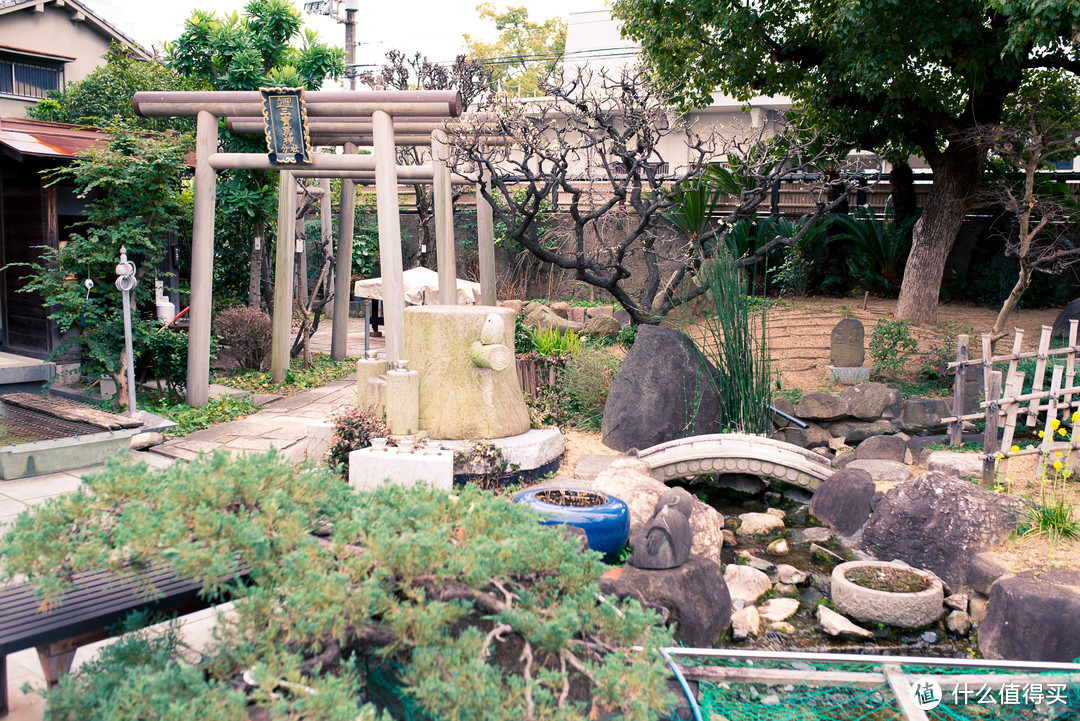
(915, 602)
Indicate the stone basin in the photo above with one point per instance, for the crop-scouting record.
(905, 610)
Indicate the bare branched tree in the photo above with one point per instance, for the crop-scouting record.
(596, 146)
(1043, 124)
(468, 76)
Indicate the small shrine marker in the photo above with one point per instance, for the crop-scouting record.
(285, 120)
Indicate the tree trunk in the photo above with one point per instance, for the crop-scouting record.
(255, 271)
(1022, 282)
(904, 204)
(956, 175)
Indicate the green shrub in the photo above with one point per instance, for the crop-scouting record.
(891, 345)
(412, 579)
(197, 418)
(248, 333)
(584, 383)
(735, 342)
(627, 335)
(353, 429)
(554, 341)
(164, 357)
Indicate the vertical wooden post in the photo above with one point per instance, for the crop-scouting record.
(1040, 374)
(300, 246)
(202, 261)
(283, 277)
(1018, 344)
(339, 333)
(1070, 366)
(956, 428)
(443, 197)
(1047, 443)
(990, 435)
(386, 201)
(1014, 384)
(987, 362)
(485, 243)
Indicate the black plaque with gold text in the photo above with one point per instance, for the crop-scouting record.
(285, 120)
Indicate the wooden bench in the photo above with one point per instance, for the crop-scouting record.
(85, 615)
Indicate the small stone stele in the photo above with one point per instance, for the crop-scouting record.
(846, 349)
(665, 540)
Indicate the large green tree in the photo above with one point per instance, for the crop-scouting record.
(526, 52)
(896, 77)
(103, 97)
(265, 46)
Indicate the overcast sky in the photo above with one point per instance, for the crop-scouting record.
(434, 27)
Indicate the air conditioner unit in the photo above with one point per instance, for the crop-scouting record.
(352, 4)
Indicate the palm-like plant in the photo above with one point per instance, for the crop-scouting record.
(879, 247)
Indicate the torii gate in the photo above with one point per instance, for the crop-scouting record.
(380, 107)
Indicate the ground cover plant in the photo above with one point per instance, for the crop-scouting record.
(465, 600)
(323, 370)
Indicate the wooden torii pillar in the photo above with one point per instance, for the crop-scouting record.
(208, 107)
(409, 131)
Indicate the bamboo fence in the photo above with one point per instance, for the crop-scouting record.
(1003, 404)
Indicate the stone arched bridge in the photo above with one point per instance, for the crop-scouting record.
(737, 453)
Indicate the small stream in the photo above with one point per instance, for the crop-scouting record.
(808, 635)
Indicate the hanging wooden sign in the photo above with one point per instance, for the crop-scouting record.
(285, 120)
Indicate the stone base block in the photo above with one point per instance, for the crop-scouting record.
(317, 440)
(369, 468)
(527, 451)
(849, 376)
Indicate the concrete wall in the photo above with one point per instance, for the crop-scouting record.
(52, 32)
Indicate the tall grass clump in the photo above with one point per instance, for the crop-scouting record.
(735, 342)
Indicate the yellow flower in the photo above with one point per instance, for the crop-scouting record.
(1062, 432)
(1058, 465)
(1055, 423)
(1057, 455)
(1040, 434)
(1076, 417)
(1014, 449)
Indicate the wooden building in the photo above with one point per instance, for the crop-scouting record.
(33, 214)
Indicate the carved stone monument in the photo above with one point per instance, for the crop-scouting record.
(847, 351)
(665, 540)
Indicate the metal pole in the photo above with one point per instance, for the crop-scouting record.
(386, 200)
(443, 199)
(125, 281)
(202, 261)
(350, 46)
(343, 270)
(283, 278)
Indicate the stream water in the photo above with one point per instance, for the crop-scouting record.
(807, 634)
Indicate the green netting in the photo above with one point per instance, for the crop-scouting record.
(1034, 696)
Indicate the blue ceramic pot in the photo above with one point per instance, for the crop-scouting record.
(606, 524)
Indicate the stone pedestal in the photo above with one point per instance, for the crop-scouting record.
(459, 397)
(367, 368)
(402, 402)
(369, 468)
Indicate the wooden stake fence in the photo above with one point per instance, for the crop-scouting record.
(1002, 405)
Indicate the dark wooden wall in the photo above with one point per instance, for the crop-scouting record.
(28, 220)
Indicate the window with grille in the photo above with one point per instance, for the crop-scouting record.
(29, 79)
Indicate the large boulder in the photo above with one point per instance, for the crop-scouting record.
(882, 471)
(602, 325)
(842, 502)
(1068, 313)
(924, 414)
(628, 479)
(883, 448)
(694, 595)
(540, 316)
(869, 401)
(858, 431)
(664, 390)
(821, 407)
(1033, 616)
(937, 522)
